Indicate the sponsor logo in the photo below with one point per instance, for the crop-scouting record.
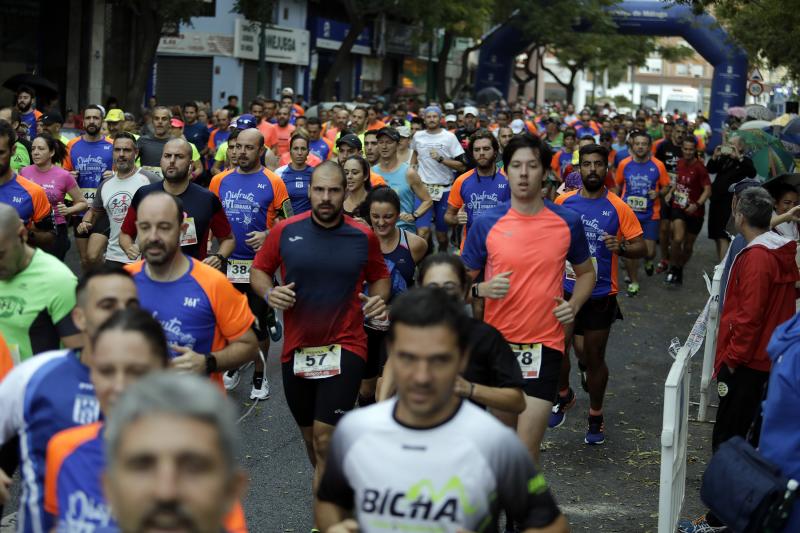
(422, 501)
(11, 305)
(190, 302)
(85, 409)
(84, 512)
(295, 238)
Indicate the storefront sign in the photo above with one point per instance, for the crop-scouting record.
(194, 43)
(330, 34)
(283, 45)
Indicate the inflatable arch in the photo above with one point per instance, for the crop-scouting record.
(702, 32)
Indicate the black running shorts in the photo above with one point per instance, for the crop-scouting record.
(545, 386)
(597, 313)
(261, 311)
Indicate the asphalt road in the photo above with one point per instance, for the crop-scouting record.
(613, 487)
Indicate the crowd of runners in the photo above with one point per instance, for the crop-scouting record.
(428, 272)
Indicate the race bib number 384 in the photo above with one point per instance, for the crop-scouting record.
(529, 357)
(318, 362)
(239, 270)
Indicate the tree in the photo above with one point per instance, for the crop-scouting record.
(260, 12)
(765, 29)
(150, 17)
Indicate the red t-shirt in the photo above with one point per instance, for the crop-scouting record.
(283, 136)
(692, 177)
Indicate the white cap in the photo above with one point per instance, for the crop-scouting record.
(449, 106)
(470, 110)
(451, 118)
(517, 126)
(403, 131)
(287, 91)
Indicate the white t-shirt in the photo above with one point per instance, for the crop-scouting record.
(114, 197)
(446, 145)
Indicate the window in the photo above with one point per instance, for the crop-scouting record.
(697, 70)
(653, 66)
(681, 70)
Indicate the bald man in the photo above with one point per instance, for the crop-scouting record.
(37, 291)
(204, 215)
(207, 322)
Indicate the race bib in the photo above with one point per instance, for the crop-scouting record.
(673, 177)
(436, 191)
(318, 362)
(529, 357)
(154, 170)
(239, 270)
(681, 199)
(188, 232)
(569, 272)
(89, 194)
(637, 203)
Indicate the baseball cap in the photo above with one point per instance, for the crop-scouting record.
(115, 115)
(741, 186)
(449, 106)
(404, 131)
(451, 118)
(176, 122)
(245, 122)
(350, 140)
(433, 109)
(389, 132)
(52, 118)
(517, 126)
(287, 91)
(470, 110)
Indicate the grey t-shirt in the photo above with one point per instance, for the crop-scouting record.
(459, 474)
(150, 150)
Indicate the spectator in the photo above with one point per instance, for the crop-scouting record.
(784, 219)
(731, 166)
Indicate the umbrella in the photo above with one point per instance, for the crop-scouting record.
(42, 86)
(790, 179)
(793, 126)
(489, 94)
(783, 120)
(759, 112)
(408, 91)
(755, 125)
(738, 112)
(767, 152)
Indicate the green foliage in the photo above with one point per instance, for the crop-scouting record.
(255, 10)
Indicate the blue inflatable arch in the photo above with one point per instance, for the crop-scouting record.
(642, 18)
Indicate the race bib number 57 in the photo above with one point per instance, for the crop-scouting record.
(529, 357)
(318, 362)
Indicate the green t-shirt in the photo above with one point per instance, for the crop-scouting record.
(20, 159)
(222, 152)
(35, 306)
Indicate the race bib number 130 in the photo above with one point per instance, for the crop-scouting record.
(318, 362)
(637, 203)
(529, 357)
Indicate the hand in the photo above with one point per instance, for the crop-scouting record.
(497, 287)
(347, 526)
(794, 213)
(463, 218)
(282, 297)
(213, 261)
(107, 174)
(462, 387)
(5, 487)
(133, 252)
(406, 217)
(374, 306)
(611, 242)
(189, 361)
(62, 209)
(434, 154)
(717, 152)
(691, 209)
(652, 194)
(74, 173)
(256, 239)
(564, 311)
(85, 227)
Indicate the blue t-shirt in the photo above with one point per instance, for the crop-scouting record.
(478, 194)
(639, 180)
(197, 134)
(320, 148)
(90, 159)
(297, 182)
(621, 154)
(29, 118)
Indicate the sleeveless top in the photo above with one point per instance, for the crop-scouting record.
(397, 181)
(401, 259)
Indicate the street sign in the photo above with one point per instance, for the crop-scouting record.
(755, 88)
(755, 75)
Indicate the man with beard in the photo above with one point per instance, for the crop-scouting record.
(90, 159)
(151, 146)
(111, 203)
(341, 116)
(203, 210)
(221, 133)
(195, 131)
(324, 258)
(642, 181)
(470, 126)
(317, 144)
(669, 152)
(207, 322)
(254, 198)
(283, 132)
(27, 114)
(612, 231)
(371, 152)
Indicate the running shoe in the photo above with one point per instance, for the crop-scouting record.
(662, 267)
(670, 279)
(597, 430)
(582, 372)
(560, 408)
(649, 268)
(633, 289)
(231, 379)
(699, 525)
(678, 279)
(260, 390)
(276, 331)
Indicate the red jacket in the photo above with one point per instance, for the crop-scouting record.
(760, 296)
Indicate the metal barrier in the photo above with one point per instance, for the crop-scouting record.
(674, 434)
(710, 349)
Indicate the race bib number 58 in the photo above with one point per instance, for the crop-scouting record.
(529, 357)
(318, 362)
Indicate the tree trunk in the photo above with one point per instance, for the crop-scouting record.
(441, 66)
(569, 86)
(148, 35)
(324, 86)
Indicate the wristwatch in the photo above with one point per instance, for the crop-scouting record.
(475, 291)
(622, 248)
(220, 256)
(211, 364)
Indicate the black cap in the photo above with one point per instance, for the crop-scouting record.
(52, 118)
(740, 186)
(392, 133)
(350, 140)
